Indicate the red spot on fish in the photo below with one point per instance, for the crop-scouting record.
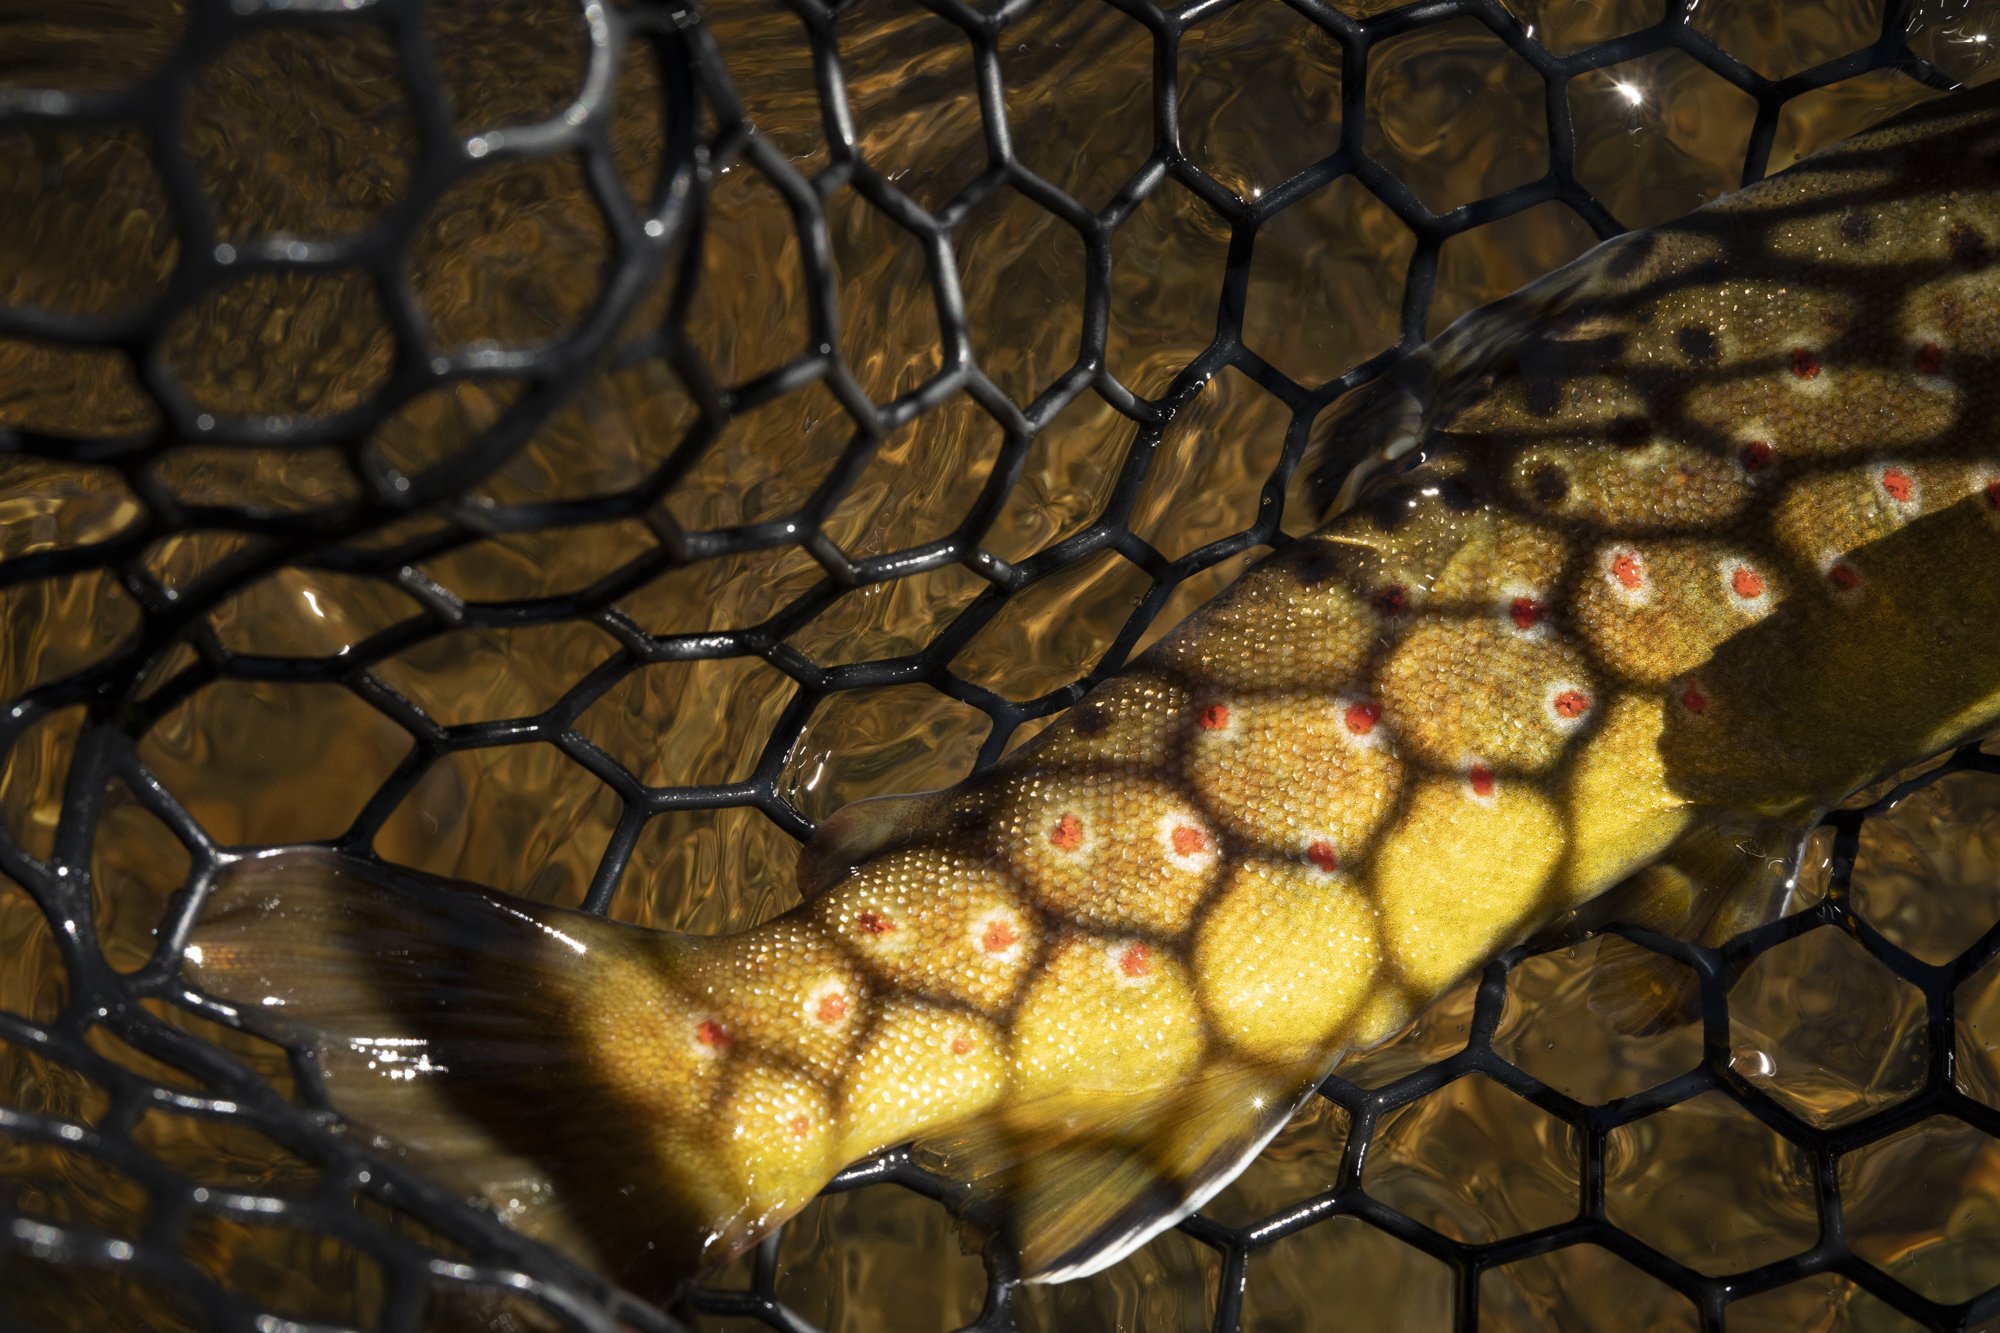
(1135, 960)
(1361, 718)
(801, 1126)
(713, 1035)
(832, 1007)
(1844, 577)
(1189, 840)
(998, 937)
(1481, 778)
(1693, 699)
(1898, 484)
(1804, 364)
(1392, 600)
(1572, 704)
(1746, 583)
(1322, 854)
(874, 922)
(1625, 568)
(1067, 835)
(1214, 717)
(1756, 455)
(961, 1045)
(1930, 359)
(1527, 612)
(1993, 495)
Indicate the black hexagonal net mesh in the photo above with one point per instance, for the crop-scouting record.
(572, 445)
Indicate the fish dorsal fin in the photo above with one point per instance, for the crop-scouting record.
(1721, 878)
(1380, 432)
(1075, 1183)
(1374, 436)
(857, 831)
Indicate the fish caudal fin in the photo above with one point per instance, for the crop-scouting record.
(446, 1021)
(1721, 878)
(1072, 1184)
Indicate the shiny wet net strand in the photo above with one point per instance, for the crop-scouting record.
(395, 425)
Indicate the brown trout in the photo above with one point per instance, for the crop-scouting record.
(1630, 577)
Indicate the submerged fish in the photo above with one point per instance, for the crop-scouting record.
(1629, 578)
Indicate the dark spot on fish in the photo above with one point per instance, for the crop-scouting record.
(1805, 364)
(1855, 226)
(1390, 508)
(1549, 484)
(1457, 495)
(1628, 258)
(1544, 396)
(1630, 429)
(1698, 344)
(1392, 600)
(1966, 243)
(1091, 720)
(1314, 563)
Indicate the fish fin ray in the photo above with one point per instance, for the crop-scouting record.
(1074, 1183)
(441, 1017)
(1366, 439)
(1724, 876)
(857, 831)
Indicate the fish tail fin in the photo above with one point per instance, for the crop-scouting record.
(1073, 1184)
(452, 1024)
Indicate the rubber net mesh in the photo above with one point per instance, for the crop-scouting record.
(396, 458)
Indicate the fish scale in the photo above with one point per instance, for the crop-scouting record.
(1638, 573)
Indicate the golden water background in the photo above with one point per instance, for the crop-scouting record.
(311, 132)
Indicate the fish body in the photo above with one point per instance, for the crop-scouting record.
(1641, 570)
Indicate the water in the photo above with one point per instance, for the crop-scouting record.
(311, 131)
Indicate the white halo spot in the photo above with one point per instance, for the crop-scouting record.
(1897, 487)
(1186, 842)
(1567, 692)
(1624, 572)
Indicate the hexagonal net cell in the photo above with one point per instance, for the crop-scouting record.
(576, 447)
